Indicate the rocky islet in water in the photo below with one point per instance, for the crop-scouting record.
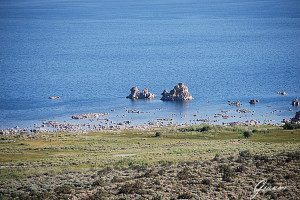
(296, 102)
(135, 94)
(253, 101)
(179, 93)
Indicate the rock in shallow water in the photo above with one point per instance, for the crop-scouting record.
(54, 97)
(296, 102)
(179, 93)
(282, 93)
(234, 103)
(253, 101)
(135, 93)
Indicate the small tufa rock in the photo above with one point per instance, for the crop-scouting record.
(136, 94)
(234, 103)
(179, 93)
(253, 101)
(296, 102)
(88, 115)
(54, 97)
(282, 93)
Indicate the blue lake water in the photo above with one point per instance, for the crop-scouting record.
(91, 52)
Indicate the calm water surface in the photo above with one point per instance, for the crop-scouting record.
(91, 52)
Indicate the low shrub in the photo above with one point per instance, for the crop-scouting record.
(158, 134)
(227, 173)
(206, 181)
(157, 197)
(149, 173)
(220, 186)
(245, 154)
(118, 179)
(101, 194)
(217, 157)
(204, 129)
(204, 190)
(99, 182)
(262, 158)
(271, 194)
(291, 126)
(184, 174)
(161, 171)
(188, 129)
(241, 168)
(165, 163)
(104, 171)
(64, 189)
(131, 188)
(247, 134)
(255, 131)
(186, 195)
(293, 156)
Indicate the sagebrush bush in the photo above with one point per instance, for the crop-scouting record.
(247, 134)
(186, 195)
(293, 156)
(158, 134)
(99, 182)
(184, 174)
(241, 168)
(245, 154)
(255, 131)
(206, 181)
(188, 129)
(64, 189)
(227, 173)
(101, 194)
(217, 157)
(291, 126)
(204, 129)
(104, 171)
(131, 188)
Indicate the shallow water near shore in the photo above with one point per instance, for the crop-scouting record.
(92, 52)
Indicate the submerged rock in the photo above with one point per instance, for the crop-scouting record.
(253, 101)
(179, 93)
(135, 93)
(296, 102)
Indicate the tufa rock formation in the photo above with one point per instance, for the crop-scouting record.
(179, 93)
(253, 101)
(296, 119)
(282, 93)
(135, 93)
(54, 97)
(234, 103)
(296, 102)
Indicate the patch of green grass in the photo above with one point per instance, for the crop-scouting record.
(277, 136)
(59, 152)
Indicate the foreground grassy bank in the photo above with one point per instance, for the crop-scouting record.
(108, 163)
